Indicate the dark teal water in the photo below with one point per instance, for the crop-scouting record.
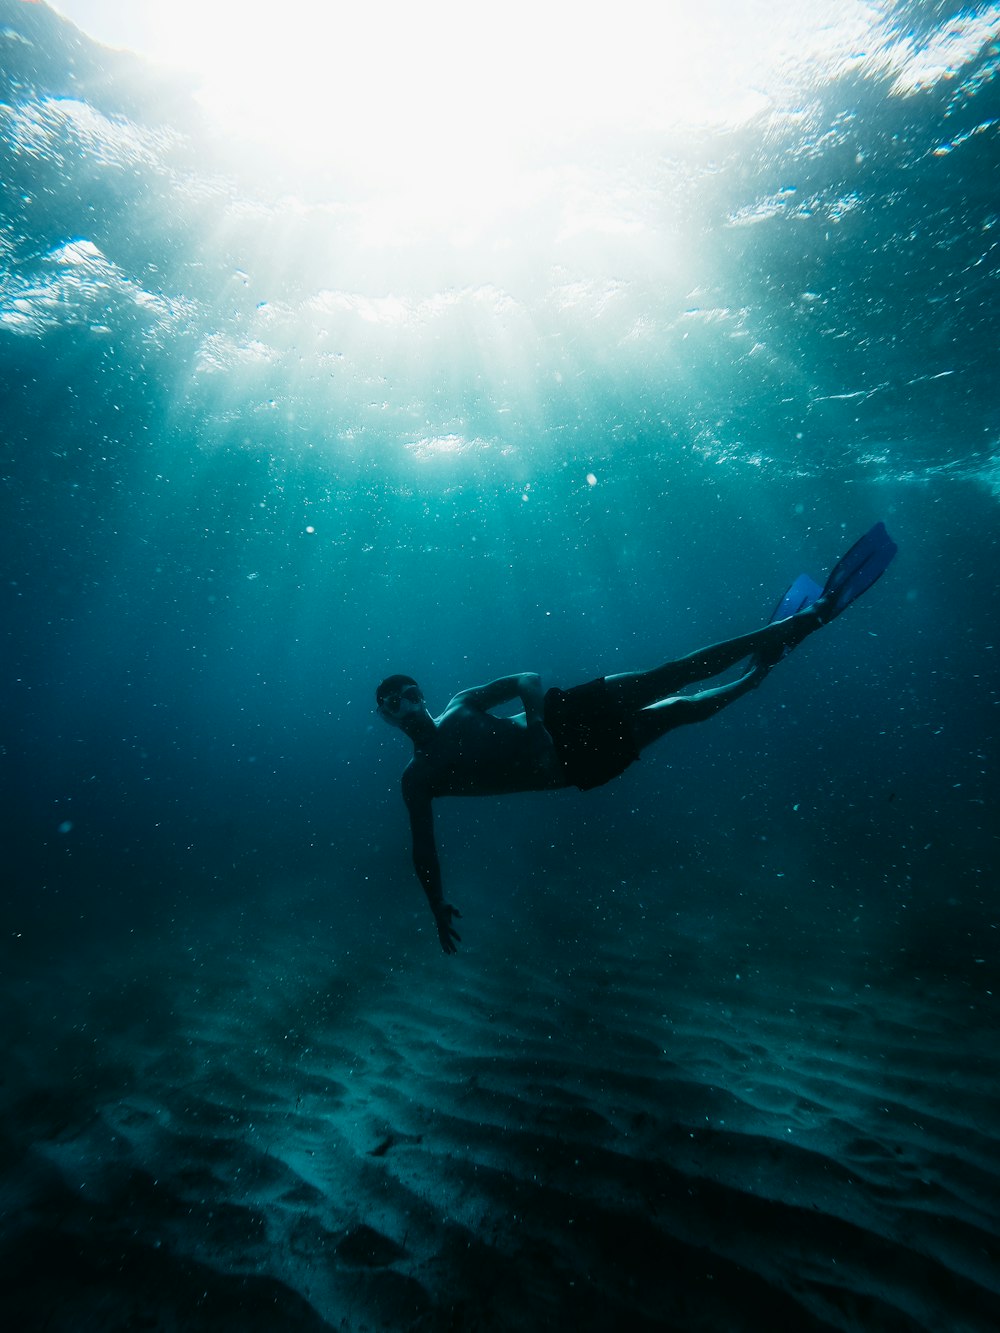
(253, 459)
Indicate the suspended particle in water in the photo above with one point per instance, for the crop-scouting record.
(66, 826)
(310, 529)
(591, 479)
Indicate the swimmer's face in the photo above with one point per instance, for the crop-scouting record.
(399, 705)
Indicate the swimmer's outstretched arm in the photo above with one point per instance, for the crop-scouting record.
(425, 857)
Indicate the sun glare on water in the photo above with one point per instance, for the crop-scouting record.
(461, 216)
(446, 100)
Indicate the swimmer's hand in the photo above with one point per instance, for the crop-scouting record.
(447, 934)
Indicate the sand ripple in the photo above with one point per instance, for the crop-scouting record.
(450, 1145)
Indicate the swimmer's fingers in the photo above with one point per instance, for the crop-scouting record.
(447, 933)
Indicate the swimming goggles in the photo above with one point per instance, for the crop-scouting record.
(391, 702)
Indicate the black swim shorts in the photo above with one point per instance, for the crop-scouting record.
(592, 734)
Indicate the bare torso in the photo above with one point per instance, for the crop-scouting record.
(474, 753)
(468, 751)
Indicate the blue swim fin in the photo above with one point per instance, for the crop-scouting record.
(803, 592)
(855, 572)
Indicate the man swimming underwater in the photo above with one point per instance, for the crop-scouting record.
(587, 735)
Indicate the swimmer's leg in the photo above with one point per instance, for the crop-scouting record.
(649, 724)
(636, 690)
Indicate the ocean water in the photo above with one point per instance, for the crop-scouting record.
(719, 1048)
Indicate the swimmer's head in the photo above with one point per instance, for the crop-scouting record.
(399, 698)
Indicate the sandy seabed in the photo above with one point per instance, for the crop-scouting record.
(271, 1129)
